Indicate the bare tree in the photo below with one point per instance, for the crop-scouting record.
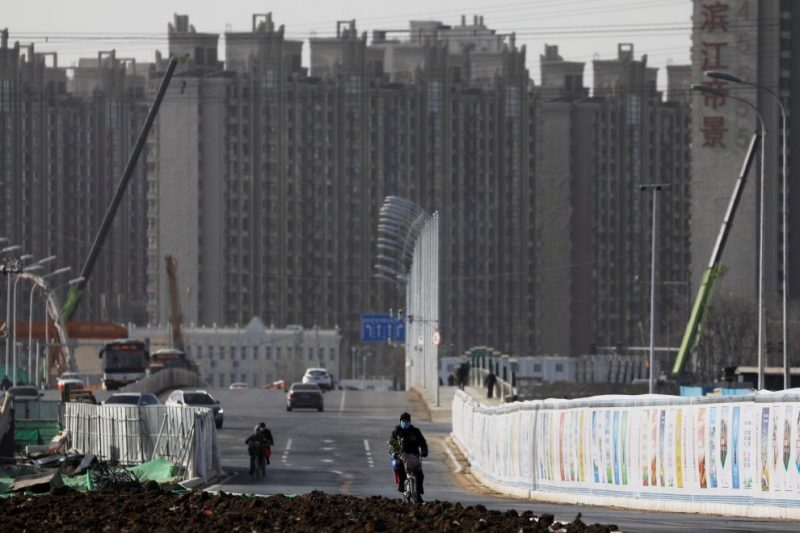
(728, 337)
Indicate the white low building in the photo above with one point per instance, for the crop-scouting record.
(255, 354)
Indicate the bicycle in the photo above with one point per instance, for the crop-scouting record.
(258, 465)
(412, 465)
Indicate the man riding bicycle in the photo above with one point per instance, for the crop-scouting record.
(258, 446)
(407, 439)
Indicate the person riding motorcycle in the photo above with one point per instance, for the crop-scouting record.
(407, 439)
(258, 445)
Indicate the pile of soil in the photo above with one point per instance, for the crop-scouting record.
(148, 508)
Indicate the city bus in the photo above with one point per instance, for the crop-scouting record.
(124, 361)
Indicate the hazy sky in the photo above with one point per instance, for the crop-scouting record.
(583, 29)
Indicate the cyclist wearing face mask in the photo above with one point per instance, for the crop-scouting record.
(407, 439)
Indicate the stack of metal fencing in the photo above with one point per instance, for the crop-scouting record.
(130, 435)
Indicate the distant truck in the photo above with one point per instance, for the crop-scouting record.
(169, 358)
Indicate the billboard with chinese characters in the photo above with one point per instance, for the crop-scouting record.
(724, 39)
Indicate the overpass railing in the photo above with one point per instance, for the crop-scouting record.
(734, 456)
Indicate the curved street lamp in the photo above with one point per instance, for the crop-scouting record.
(26, 270)
(8, 249)
(727, 76)
(56, 311)
(705, 89)
(40, 283)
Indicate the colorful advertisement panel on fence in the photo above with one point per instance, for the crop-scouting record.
(741, 448)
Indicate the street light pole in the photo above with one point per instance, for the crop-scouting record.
(656, 188)
(30, 310)
(49, 294)
(761, 318)
(32, 268)
(726, 76)
(7, 249)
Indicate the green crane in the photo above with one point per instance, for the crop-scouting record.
(714, 269)
(76, 292)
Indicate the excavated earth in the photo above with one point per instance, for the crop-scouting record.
(149, 508)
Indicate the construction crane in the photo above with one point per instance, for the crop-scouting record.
(176, 318)
(76, 292)
(714, 269)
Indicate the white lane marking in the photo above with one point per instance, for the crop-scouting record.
(285, 455)
(337, 472)
(328, 449)
(327, 441)
(369, 454)
(327, 460)
(341, 404)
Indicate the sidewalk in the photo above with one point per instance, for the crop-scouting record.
(443, 413)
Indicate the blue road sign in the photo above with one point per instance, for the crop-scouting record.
(382, 328)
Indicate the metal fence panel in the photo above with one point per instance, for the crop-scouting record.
(128, 435)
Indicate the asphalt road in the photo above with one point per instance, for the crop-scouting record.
(344, 450)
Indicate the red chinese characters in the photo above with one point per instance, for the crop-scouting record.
(713, 48)
(715, 17)
(713, 130)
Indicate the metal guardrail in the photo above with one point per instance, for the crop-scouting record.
(166, 379)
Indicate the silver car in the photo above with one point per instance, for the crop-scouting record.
(142, 399)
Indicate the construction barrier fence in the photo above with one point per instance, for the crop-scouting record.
(734, 456)
(131, 435)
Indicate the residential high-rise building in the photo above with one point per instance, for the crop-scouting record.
(593, 222)
(268, 178)
(63, 145)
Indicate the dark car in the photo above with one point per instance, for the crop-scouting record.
(307, 395)
(141, 399)
(25, 392)
(198, 398)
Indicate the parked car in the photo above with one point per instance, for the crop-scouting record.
(70, 380)
(82, 396)
(142, 399)
(197, 398)
(25, 392)
(307, 395)
(238, 386)
(318, 376)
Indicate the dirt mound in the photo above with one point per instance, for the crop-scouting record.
(151, 509)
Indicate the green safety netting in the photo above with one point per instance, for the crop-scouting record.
(22, 375)
(10, 472)
(159, 470)
(28, 432)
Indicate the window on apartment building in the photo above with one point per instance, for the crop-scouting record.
(333, 354)
(559, 367)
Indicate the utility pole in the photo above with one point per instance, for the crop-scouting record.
(655, 188)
